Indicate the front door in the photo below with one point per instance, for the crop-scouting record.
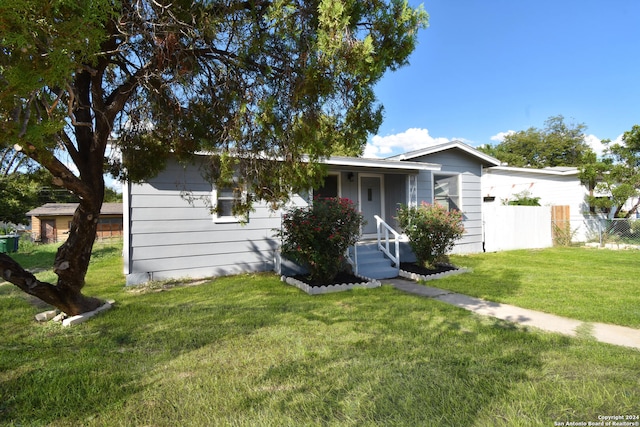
(371, 201)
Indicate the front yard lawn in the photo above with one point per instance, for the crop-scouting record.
(592, 285)
(251, 351)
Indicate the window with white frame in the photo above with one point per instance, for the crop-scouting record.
(226, 199)
(447, 191)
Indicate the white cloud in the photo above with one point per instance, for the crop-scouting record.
(500, 136)
(595, 143)
(411, 139)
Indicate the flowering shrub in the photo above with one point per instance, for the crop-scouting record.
(432, 231)
(318, 236)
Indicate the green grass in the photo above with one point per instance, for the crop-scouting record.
(585, 284)
(251, 351)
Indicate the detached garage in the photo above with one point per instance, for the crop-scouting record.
(50, 222)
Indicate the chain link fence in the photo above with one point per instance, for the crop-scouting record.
(618, 233)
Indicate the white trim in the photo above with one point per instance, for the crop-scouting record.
(227, 219)
(562, 171)
(445, 175)
(412, 190)
(126, 226)
(380, 163)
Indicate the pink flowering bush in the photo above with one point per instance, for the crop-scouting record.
(432, 230)
(318, 236)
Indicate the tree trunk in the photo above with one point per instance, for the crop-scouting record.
(71, 264)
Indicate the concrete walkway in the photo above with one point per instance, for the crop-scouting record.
(611, 334)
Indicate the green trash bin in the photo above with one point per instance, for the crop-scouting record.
(3, 244)
(12, 244)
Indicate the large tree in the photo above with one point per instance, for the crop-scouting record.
(18, 192)
(557, 144)
(615, 177)
(263, 84)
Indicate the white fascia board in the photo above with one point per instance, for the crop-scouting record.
(380, 163)
(545, 171)
(362, 162)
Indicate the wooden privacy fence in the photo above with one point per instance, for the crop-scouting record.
(561, 225)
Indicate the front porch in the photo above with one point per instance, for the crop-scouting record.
(377, 187)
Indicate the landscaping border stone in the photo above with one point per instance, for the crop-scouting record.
(418, 277)
(318, 290)
(58, 316)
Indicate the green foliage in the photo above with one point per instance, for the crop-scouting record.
(558, 144)
(319, 235)
(269, 87)
(261, 80)
(524, 198)
(432, 230)
(18, 195)
(616, 174)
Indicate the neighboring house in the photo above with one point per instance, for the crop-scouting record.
(50, 222)
(169, 236)
(555, 186)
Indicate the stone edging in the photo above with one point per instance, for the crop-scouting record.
(58, 316)
(317, 290)
(417, 277)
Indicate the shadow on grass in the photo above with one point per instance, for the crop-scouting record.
(251, 351)
(497, 281)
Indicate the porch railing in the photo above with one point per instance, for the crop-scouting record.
(383, 231)
(353, 260)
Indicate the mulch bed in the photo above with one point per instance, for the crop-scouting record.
(415, 268)
(342, 277)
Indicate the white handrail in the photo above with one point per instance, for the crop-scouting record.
(383, 226)
(353, 261)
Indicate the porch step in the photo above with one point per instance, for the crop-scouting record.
(373, 264)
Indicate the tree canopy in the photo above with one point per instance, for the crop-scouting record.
(615, 177)
(557, 144)
(263, 84)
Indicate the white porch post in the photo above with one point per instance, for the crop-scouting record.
(412, 191)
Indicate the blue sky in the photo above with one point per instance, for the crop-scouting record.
(483, 68)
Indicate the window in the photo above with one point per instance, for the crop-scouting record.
(446, 191)
(226, 199)
(330, 188)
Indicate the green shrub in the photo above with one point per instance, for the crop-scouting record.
(317, 236)
(432, 230)
(523, 198)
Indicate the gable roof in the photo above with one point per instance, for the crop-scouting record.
(485, 159)
(67, 209)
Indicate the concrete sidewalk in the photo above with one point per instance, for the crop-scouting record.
(611, 334)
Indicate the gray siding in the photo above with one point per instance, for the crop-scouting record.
(169, 237)
(470, 170)
(395, 195)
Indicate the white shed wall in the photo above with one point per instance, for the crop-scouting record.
(553, 190)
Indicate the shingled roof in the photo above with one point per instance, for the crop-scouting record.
(67, 209)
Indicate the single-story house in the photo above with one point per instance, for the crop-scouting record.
(50, 222)
(167, 236)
